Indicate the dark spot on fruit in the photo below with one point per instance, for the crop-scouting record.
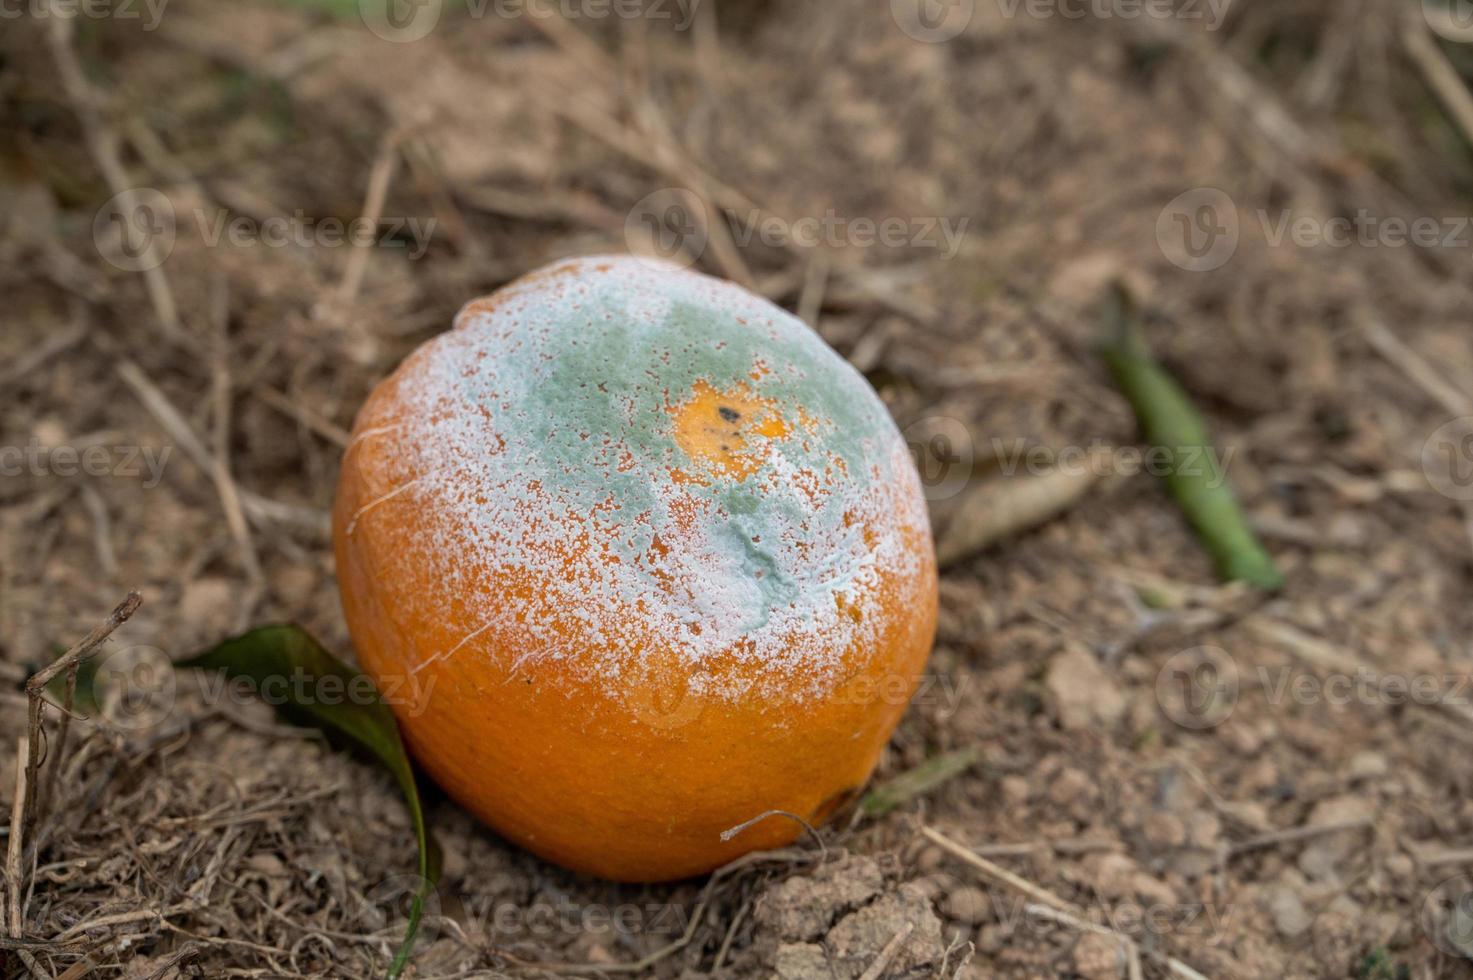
(730, 414)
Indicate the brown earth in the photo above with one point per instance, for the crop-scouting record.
(1249, 786)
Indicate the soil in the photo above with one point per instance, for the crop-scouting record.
(1172, 776)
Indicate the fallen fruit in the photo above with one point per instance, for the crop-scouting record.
(636, 558)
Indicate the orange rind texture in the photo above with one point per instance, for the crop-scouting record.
(637, 558)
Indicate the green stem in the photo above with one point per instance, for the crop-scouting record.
(1194, 474)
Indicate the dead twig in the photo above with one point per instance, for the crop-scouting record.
(1050, 906)
(998, 873)
(697, 917)
(815, 282)
(222, 393)
(56, 344)
(43, 795)
(1416, 368)
(107, 558)
(1438, 72)
(1132, 951)
(124, 918)
(726, 941)
(305, 417)
(1295, 835)
(77, 970)
(1322, 653)
(102, 143)
(877, 968)
(17, 905)
(69, 661)
(259, 509)
(373, 209)
(731, 832)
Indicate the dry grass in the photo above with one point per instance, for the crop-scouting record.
(209, 841)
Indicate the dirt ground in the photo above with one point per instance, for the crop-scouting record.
(1173, 777)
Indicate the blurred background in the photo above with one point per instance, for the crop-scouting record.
(221, 223)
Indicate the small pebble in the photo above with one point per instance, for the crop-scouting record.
(969, 905)
(1164, 830)
(1289, 914)
(1368, 765)
(1099, 957)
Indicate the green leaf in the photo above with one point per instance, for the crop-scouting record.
(338, 9)
(922, 779)
(1170, 422)
(294, 664)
